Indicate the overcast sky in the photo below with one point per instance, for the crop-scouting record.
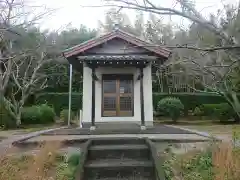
(71, 12)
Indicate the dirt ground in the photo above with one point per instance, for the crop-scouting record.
(4, 134)
(220, 131)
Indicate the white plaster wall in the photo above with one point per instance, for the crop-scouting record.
(147, 92)
(87, 95)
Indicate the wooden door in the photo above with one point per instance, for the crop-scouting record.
(117, 96)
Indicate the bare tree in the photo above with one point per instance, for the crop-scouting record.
(14, 14)
(19, 68)
(216, 79)
(26, 79)
(227, 31)
(187, 10)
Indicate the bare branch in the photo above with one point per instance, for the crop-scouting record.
(151, 4)
(134, 8)
(186, 46)
(162, 10)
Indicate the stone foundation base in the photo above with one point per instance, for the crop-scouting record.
(116, 124)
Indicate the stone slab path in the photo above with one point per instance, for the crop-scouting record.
(112, 129)
(150, 136)
(7, 143)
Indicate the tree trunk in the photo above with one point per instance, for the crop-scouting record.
(236, 107)
(18, 119)
(237, 118)
(234, 102)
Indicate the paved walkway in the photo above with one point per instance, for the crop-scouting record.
(150, 136)
(118, 128)
(177, 135)
(64, 134)
(7, 143)
(158, 132)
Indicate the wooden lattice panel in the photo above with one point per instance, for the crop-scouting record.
(117, 95)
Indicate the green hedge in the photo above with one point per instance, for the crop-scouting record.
(170, 106)
(40, 114)
(190, 100)
(59, 101)
(64, 115)
(6, 120)
(222, 111)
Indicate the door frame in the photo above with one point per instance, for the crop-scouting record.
(117, 77)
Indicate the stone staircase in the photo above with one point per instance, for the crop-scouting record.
(119, 159)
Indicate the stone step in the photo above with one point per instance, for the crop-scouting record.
(118, 163)
(119, 159)
(130, 151)
(119, 169)
(124, 178)
(119, 147)
(118, 141)
(134, 174)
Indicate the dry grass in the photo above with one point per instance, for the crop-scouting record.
(226, 162)
(218, 162)
(36, 167)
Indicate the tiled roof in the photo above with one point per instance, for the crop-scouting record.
(163, 52)
(117, 57)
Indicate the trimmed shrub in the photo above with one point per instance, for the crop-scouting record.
(222, 111)
(190, 100)
(31, 115)
(59, 101)
(41, 114)
(64, 115)
(6, 120)
(47, 114)
(171, 106)
(208, 109)
(197, 112)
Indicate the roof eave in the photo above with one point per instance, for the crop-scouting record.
(121, 34)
